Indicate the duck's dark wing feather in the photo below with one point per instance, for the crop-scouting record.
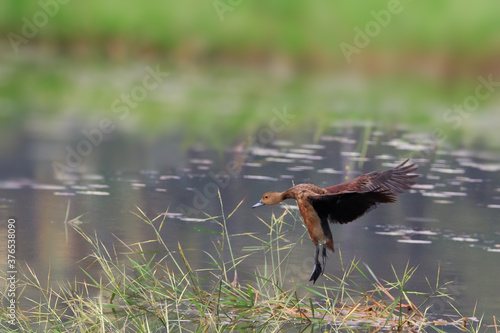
(348, 201)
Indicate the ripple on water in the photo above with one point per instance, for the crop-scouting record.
(312, 146)
(435, 195)
(360, 159)
(288, 206)
(338, 139)
(331, 171)
(414, 241)
(64, 194)
(300, 168)
(422, 219)
(385, 157)
(48, 187)
(465, 239)
(171, 215)
(253, 165)
(191, 219)
(404, 145)
(200, 161)
(92, 192)
(493, 206)
(455, 194)
(491, 167)
(302, 151)
(469, 180)
(98, 186)
(279, 160)
(302, 156)
(350, 153)
(167, 177)
(493, 250)
(423, 187)
(443, 202)
(257, 151)
(448, 170)
(259, 177)
(405, 232)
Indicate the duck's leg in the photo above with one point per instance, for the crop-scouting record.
(324, 259)
(317, 271)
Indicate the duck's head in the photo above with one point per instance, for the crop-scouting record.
(269, 198)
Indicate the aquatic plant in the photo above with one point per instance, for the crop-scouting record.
(150, 286)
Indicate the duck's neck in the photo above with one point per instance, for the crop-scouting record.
(288, 194)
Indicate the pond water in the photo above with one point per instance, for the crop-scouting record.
(449, 222)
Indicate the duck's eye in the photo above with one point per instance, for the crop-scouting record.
(265, 197)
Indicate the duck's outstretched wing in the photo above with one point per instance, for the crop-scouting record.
(348, 201)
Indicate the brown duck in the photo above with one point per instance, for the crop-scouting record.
(342, 203)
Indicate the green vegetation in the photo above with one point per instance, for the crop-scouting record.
(153, 288)
(221, 107)
(294, 27)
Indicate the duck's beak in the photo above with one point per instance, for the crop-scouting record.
(258, 204)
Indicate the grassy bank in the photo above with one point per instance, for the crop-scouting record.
(150, 286)
(292, 27)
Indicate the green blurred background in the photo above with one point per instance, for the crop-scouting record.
(231, 62)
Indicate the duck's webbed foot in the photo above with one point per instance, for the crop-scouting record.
(318, 270)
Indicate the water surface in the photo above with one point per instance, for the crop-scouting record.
(447, 223)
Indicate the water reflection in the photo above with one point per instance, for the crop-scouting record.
(449, 220)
